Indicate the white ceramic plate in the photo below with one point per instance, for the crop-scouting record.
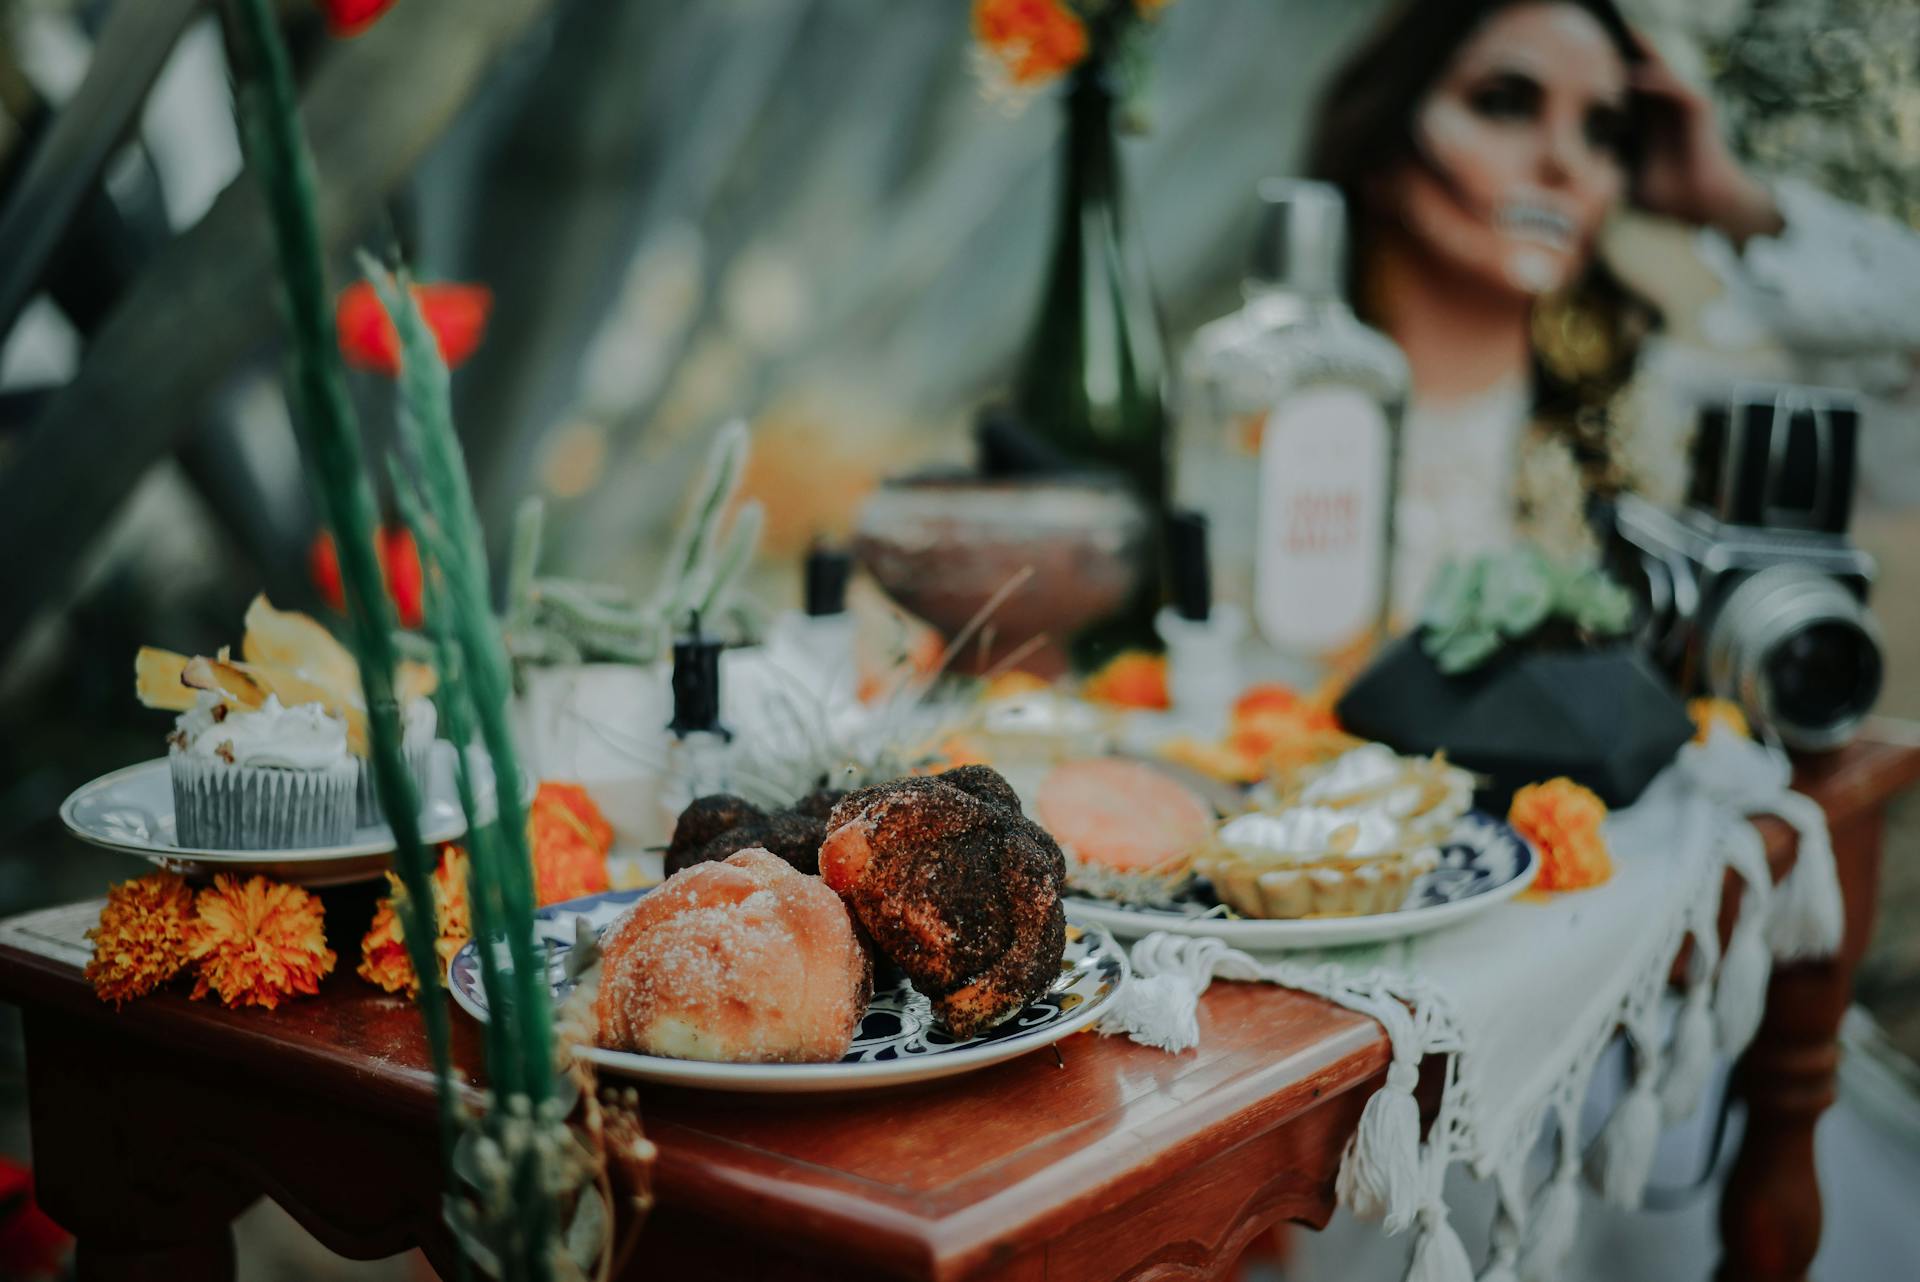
(898, 1042)
(132, 810)
(1483, 863)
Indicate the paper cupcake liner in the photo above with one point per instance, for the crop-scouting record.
(217, 806)
(366, 792)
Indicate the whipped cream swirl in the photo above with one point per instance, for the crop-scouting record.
(1313, 832)
(304, 737)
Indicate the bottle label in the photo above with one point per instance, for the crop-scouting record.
(1321, 552)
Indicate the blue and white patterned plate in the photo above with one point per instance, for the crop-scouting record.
(1484, 862)
(898, 1041)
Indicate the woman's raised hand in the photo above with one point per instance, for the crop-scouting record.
(1687, 171)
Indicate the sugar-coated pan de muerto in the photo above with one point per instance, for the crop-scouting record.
(741, 960)
(957, 887)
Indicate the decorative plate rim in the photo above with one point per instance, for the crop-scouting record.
(1311, 932)
(380, 843)
(824, 1076)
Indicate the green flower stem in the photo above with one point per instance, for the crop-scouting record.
(277, 152)
(426, 434)
(503, 1054)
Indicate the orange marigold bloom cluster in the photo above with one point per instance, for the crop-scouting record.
(569, 838)
(1134, 679)
(1708, 713)
(383, 952)
(258, 941)
(1035, 41)
(1274, 728)
(1562, 820)
(142, 939)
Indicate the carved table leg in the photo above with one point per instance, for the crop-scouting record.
(1770, 1214)
(110, 1167)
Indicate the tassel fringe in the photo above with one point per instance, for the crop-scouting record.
(1439, 1255)
(1690, 1060)
(1156, 1010)
(1555, 1219)
(1623, 1158)
(1690, 1057)
(1808, 917)
(1380, 1171)
(1504, 1258)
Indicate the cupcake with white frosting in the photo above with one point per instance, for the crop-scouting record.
(418, 724)
(1314, 861)
(266, 777)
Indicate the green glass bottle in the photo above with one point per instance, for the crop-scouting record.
(1093, 382)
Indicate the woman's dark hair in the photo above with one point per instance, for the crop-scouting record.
(1364, 128)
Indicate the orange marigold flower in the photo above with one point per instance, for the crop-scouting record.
(1034, 40)
(383, 951)
(258, 941)
(1708, 713)
(578, 802)
(141, 940)
(1562, 820)
(1273, 704)
(569, 839)
(1134, 679)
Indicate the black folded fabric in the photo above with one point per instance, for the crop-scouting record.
(1604, 718)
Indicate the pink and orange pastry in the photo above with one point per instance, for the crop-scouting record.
(1129, 832)
(743, 960)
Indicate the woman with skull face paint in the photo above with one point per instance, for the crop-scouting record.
(1482, 147)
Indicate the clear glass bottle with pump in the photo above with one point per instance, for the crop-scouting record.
(1288, 439)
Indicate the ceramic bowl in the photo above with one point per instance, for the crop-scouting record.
(943, 545)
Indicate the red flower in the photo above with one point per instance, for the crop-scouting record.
(351, 17)
(323, 567)
(400, 559)
(457, 315)
(31, 1244)
(399, 570)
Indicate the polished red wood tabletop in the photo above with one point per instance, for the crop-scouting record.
(1111, 1160)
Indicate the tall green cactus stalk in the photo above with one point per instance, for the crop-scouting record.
(519, 1161)
(277, 153)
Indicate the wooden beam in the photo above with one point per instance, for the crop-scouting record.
(208, 299)
(135, 43)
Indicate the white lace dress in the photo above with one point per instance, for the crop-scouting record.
(1833, 300)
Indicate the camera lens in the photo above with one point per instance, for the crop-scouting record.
(1824, 670)
(1799, 652)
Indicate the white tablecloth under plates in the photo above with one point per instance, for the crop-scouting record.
(1523, 999)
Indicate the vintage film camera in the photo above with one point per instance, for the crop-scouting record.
(1752, 590)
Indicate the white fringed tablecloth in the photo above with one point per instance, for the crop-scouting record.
(1522, 1000)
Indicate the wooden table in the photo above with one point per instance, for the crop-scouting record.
(155, 1126)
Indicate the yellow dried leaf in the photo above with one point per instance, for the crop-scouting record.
(292, 689)
(240, 688)
(297, 643)
(157, 679)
